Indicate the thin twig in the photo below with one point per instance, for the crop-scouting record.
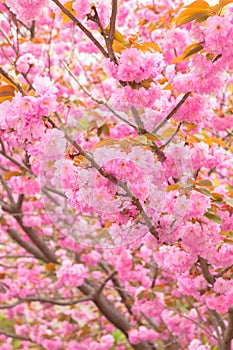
(111, 178)
(138, 121)
(14, 161)
(100, 102)
(172, 137)
(46, 300)
(196, 322)
(15, 336)
(161, 156)
(7, 76)
(100, 289)
(7, 188)
(50, 189)
(49, 48)
(215, 325)
(175, 109)
(84, 29)
(223, 271)
(125, 297)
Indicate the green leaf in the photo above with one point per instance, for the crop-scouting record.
(229, 201)
(160, 288)
(205, 183)
(203, 191)
(143, 294)
(83, 123)
(213, 217)
(7, 325)
(118, 335)
(16, 344)
(104, 129)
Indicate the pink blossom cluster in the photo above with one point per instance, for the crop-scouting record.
(82, 8)
(125, 96)
(179, 261)
(203, 74)
(134, 65)
(27, 10)
(25, 113)
(141, 334)
(72, 275)
(196, 344)
(167, 279)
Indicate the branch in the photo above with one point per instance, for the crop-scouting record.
(100, 289)
(194, 321)
(20, 201)
(112, 32)
(38, 241)
(7, 76)
(112, 314)
(111, 178)
(53, 200)
(112, 22)
(172, 137)
(84, 29)
(13, 160)
(46, 300)
(32, 29)
(3, 147)
(15, 336)
(54, 190)
(8, 190)
(228, 335)
(215, 326)
(16, 256)
(138, 121)
(125, 297)
(205, 270)
(100, 102)
(27, 246)
(95, 18)
(225, 270)
(175, 109)
(141, 130)
(218, 319)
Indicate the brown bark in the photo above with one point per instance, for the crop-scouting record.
(113, 315)
(228, 335)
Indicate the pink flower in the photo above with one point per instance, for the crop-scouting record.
(134, 65)
(72, 275)
(173, 259)
(223, 286)
(199, 204)
(27, 10)
(110, 68)
(141, 334)
(106, 341)
(219, 303)
(82, 8)
(44, 86)
(197, 345)
(218, 38)
(28, 63)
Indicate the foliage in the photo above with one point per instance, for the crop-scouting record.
(116, 175)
